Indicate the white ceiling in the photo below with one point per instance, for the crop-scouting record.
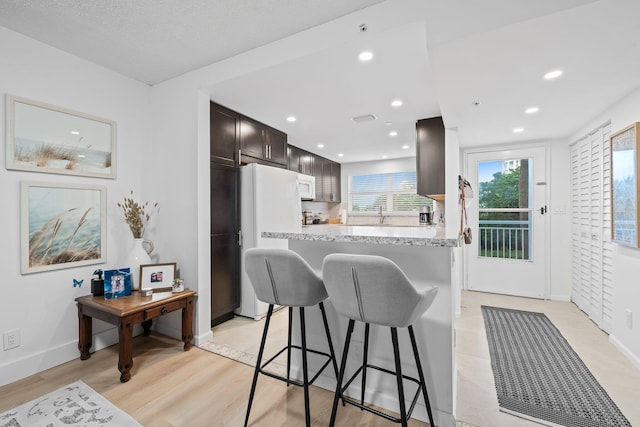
(440, 60)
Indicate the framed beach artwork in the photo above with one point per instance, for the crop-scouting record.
(625, 158)
(62, 226)
(46, 138)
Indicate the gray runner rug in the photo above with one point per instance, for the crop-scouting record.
(540, 377)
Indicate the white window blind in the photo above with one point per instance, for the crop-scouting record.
(394, 192)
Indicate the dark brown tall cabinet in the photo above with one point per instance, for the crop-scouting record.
(225, 213)
(235, 140)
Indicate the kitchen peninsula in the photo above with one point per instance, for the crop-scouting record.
(426, 255)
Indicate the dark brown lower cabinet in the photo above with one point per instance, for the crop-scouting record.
(225, 250)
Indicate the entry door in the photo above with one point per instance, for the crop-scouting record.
(508, 220)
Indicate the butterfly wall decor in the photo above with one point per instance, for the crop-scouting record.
(77, 283)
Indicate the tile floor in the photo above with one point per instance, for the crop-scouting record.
(476, 399)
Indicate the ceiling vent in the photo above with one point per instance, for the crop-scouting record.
(365, 118)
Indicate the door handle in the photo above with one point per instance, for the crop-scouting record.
(543, 210)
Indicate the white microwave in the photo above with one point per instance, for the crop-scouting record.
(306, 186)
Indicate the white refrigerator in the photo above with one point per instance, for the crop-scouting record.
(269, 201)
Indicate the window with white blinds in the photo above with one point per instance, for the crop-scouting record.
(394, 192)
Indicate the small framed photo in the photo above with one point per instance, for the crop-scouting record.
(117, 283)
(157, 276)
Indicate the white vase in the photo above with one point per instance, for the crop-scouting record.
(139, 255)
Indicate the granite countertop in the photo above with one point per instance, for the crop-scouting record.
(385, 235)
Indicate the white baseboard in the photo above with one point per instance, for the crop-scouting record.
(51, 357)
(202, 338)
(633, 358)
(565, 298)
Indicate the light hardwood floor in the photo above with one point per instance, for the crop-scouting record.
(172, 388)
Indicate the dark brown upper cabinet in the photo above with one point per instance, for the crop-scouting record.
(430, 157)
(300, 160)
(224, 131)
(262, 143)
(326, 172)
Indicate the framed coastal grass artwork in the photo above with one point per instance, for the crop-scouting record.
(62, 226)
(45, 138)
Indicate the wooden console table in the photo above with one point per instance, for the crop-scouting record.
(127, 311)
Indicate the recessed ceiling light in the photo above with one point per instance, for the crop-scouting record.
(532, 110)
(340, 155)
(553, 74)
(320, 145)
(393, 133)
(385, 156)
(396, 103)
(365, 56)
(405, 147)
(518, 130)
(75, 132)
(291, 119)
(81, 156)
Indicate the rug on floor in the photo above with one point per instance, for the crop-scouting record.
(242, 357)
(540, 377)
(74, 405)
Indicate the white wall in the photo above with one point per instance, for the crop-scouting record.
(626, 261)
(559, 197)
(41, 305)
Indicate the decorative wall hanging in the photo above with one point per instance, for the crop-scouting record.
(624, 186)
(62, 226)
(46, 138)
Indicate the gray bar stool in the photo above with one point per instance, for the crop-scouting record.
(282, 277)
(374, 290)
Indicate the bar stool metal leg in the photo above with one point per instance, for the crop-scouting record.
(364, 362)
(423, 384)
(305, 375)
(289, 345)
(396, 356)
(258, 362)
(326, 330)
(343, 366)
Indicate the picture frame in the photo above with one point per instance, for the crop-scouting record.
(46, 138)
(157, 276)
(625, 189)
(62, 226)
(117, 283)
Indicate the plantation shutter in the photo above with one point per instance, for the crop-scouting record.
(591, 247)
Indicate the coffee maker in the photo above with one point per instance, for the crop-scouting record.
(426, 215)
(307, 217)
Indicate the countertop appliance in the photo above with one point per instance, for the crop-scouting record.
(426, 215)
(307, 186)
(269, 201)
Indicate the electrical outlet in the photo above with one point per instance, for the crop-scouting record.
(11, 339)
(629, 314)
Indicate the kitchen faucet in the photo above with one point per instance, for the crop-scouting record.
(380, 214)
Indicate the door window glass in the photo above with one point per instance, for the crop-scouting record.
(504, 215)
